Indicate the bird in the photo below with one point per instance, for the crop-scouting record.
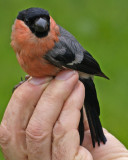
(44, 48)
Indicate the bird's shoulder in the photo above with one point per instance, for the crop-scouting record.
(67, 50)
(66, 38)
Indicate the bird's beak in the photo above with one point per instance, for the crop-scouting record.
(41, 25)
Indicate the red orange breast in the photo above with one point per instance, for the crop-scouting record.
(31, 49)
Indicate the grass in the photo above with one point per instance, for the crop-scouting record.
(102, 28)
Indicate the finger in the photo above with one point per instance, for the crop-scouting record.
(17, 115)
(83, 154)
(39, 130)
(113, 149)
(65, 132)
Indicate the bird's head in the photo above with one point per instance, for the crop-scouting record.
(34, 31)
(37, 19)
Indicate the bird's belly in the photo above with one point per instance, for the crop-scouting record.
(38, 67)
(85, 75)
(41, 70)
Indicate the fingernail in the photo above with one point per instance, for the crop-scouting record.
(65, 75)
(39, 81)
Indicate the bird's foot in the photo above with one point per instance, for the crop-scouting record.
(21, 82)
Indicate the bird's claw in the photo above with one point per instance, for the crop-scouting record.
(21, 82)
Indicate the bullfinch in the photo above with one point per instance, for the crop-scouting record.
(44, 48)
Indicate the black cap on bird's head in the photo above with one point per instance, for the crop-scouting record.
(37, 19)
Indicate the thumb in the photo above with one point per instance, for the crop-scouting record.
(113, 149)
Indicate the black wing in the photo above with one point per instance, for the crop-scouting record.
(70, 54)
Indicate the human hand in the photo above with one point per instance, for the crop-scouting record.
(112, 150)
(42, 118)
(41, 122)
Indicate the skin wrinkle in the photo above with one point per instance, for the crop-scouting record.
(34, 131)
(83, 154)
(59, 148)
(4, 134)
(63, 150)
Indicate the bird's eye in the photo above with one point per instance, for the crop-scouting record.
(29, 22)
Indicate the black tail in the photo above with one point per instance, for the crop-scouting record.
(93, 111)
(81, 127)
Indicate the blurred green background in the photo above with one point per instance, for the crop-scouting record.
(102, 28)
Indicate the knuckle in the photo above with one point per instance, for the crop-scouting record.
(58, 130)
(4, 135)
(37, 131)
